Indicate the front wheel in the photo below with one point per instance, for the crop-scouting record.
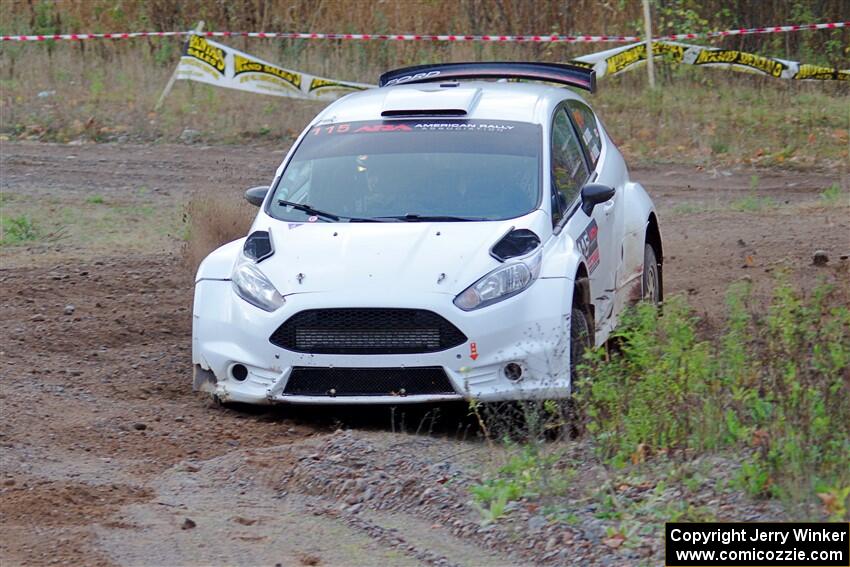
(651, 280)
(580, 337)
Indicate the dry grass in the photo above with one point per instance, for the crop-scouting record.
(213, 219)
(700, 116)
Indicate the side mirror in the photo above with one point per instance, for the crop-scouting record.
(256, 195)
(593, 194)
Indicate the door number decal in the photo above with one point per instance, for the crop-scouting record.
(589, 246)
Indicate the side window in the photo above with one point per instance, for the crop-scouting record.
(569, 170)
(587, 128)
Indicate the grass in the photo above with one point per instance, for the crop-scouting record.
(94, 226)
(752, 204)
(773, 383)
(18, 229)
(832, 195)
(531, 471)
(770, 389)
(691, 208)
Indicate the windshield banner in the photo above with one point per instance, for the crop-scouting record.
(619, 59)
(209, 62)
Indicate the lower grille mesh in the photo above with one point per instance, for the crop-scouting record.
(316, 381)
(367, 331)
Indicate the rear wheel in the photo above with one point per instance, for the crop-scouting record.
(651, 281)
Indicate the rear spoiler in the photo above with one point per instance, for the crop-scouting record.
(569, 75)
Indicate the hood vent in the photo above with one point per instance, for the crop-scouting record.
(258, 246)
(514, 244)
(454, 102)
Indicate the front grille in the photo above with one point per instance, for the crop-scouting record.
(315, 381)
(367, 331)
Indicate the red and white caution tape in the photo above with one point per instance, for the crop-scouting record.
(748, 31)
(552, 38)
(80, 36)
(548, 38)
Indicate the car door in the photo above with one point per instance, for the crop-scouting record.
(577, 158)
(609, 216)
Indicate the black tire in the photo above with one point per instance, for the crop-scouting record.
(580, 337)
(651, 280)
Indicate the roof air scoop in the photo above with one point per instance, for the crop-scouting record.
(516, 243)
(430, 102)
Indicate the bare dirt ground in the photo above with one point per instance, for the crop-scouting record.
(108, 458)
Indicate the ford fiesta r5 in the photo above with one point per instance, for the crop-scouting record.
(442, 237)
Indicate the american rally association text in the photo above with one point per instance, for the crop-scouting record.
(755, 533)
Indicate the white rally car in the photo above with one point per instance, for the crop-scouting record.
(441, 237)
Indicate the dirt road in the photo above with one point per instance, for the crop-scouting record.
(108, 458)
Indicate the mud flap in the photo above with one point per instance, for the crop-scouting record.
(203, 380)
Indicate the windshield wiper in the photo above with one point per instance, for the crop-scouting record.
(316, 212)
(308, 209)
(413, 217)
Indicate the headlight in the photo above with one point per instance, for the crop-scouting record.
(502, 283)
(253, 286)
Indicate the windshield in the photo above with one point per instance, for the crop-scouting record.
(412, 170)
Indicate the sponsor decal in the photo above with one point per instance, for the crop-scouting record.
(588, 245)
(416, 77)
(806, 72)
(759, 63)
(627, 58)
(318, 83)
(477, 127)
(209, 62)
(205, 51)
(242, 64)
(375, 127)
(384, 128)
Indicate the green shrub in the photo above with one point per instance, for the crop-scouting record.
(831, 194)
(17, 229)
(647, 393)
(775, 384)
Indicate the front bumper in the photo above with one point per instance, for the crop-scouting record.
(529, 330)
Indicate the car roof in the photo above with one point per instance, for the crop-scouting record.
(479, 100)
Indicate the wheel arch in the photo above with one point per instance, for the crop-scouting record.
(219, 263)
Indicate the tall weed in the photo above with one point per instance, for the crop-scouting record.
(776, 384)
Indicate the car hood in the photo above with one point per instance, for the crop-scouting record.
(386, 257)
